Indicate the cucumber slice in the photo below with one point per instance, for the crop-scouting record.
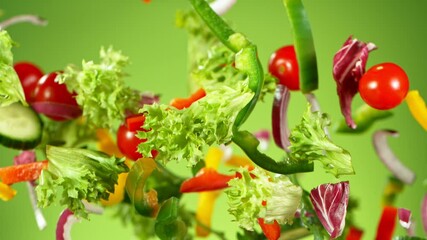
(20, 127)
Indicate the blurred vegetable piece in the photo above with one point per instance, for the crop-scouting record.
(418, 108)
(387, 156)
(168, 223)
(404, 217)
(387, 223)
(364, 117)
(354, 234)
(22, 173)
(6, 192)
(393, 188)
(270, 230)
(181, 103)
(29, 74)
(24, 18)
(65, 222)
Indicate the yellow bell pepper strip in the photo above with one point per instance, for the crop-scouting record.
(238, 161)
(145, 203)
(418, 108)
(6, 192)
(394, 186)
(304, 45)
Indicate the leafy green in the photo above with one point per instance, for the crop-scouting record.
(309, 142)
(82, 174)
(100, 88)
(185, 134)
(10, 87)
(247, 194)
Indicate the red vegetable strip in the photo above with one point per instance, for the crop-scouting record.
(279, 118)
(387, 156)
(135, 122)
(404, 217)
(207, 179)
(387, 223)
(424, 213)
(66, 111)
(22, 172)
(181, 103)
(65, 222)
(354, 234)
(270, 230)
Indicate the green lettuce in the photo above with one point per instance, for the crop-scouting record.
(10, 87)
(185, 134)
(100, 88)
(309, 142)
(247, 194)
(82, 174)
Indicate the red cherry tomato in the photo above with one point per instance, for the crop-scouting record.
(128, 142)
(47, 90)
(29, 74)
(283, 65)
(384, 86)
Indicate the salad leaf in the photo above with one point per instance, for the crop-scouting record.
(10, 87)
(247, 194)
(100, 88)
(82, 174)
(309, 142)
(185, 134)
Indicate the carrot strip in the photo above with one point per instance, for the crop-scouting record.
(22, 172)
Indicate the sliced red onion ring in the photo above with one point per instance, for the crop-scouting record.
(65, 222)
(279, 117)
(222, 6)
(33, 19)
(424, 213)
(41, 221)
(389, 159)
(263, 137)
(149, 98)
(404, 217)
(66, 111)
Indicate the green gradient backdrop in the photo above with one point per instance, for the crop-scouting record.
(157, 49)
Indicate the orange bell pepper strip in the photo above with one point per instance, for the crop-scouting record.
(22, 172)
(6, 192)
(181, 103)
(270, 230)
(207, 179)
(354, 234)
(417, 107)
(387, 223)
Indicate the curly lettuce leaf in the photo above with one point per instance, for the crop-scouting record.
(185, 134)
(101, 90)
(82, 174)
(247, 194)
(309, 142)
(10, 87)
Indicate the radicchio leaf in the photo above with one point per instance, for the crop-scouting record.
(404, 217)
(349, 66)
(330, 202)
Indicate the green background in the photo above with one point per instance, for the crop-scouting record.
(157, 49)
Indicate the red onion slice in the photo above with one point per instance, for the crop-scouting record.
(40, 220)
(404, 217)
(93, 208)
(424, 213)
(25, 157)
(65, 222)
(222, 6)
(33, 19)
(263, 137)
(61, 110)
(148, 98)
(389, 159)
(279, 118)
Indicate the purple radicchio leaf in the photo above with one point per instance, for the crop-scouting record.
(349, 67)
(330, 202)
(25, 157)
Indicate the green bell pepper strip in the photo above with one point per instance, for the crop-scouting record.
(364, 117)
(168, 223)
(246, 59)
(249, 144)
(304, 45)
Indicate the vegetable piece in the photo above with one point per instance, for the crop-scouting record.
(387, 156)
(384, 86)
(246, 195)
(181, 103)
(309, 142)
(6, 192)
(270, 230)
(418, 108)
(128, 142)
(145, 203)
(33, 19)
(207, 179)
(304, 45)
(168, 223)
(283, 65)
(349, 67)
(65, 222)
(364, 117)
(81, 173)
(20, 127)
(404, 217)
(29, 75)
(100, 88)
(354, 234)
(222, 6)
(263, 137)
(394, 186)
(135, 122)
(387, 223)
(330, 202)
(279, 117)
(22, 172)
(424, 213)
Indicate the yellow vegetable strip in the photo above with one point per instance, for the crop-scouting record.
(418, 108)
(6, 192)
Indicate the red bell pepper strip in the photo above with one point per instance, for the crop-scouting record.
(135, 122)
(270, 230)
(181, 103)
(354, 234)
(22, 172)
(387, 223)
(207, 179)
